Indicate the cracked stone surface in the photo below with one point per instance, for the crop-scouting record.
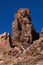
(25, 47)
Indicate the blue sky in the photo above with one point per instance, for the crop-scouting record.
(8, 9)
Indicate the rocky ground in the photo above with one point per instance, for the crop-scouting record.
(26, 45)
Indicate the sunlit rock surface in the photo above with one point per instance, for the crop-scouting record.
(25, 47)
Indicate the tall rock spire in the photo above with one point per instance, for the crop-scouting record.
(22, 29)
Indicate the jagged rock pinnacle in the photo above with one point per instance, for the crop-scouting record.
(26, 45)
(22, 28)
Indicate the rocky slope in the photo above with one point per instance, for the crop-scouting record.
(26, 45)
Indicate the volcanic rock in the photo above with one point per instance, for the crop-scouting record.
(22, 29)
(5, 40)
(4, 45)
(26, 45)
(41, 34)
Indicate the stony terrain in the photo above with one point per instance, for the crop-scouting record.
(26, 45)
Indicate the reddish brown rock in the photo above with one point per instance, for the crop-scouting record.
(41, 34)
(22, 28)
(32, 55)
(4, 46)
(5, 40)
(26, 46)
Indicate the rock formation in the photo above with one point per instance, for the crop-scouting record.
(26, 45)
(41, 34)
(22, 28)
(5, 40)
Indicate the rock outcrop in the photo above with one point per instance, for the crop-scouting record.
(22, 28)
(4, 45)
(41, 34)
(5, 40)
(26, 45)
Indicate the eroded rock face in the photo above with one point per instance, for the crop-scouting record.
(26, 45)
(22, 28)
(41, 34)
(5, 40)
(4, 46)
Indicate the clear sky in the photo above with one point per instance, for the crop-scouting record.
(9, 7)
